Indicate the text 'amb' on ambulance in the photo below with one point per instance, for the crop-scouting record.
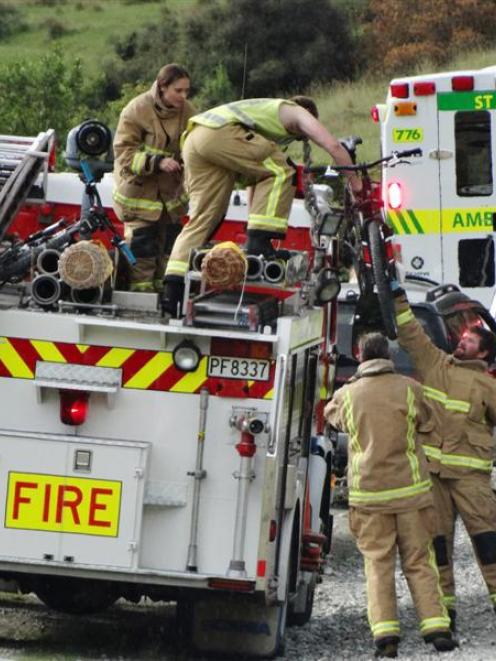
(443, 206)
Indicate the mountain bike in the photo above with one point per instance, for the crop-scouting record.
(358, 225)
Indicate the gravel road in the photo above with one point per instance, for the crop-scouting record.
(338, 629)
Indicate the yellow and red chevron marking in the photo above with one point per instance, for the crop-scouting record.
(142, 369)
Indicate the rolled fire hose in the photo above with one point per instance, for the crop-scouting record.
(85, 265)
(224, 266)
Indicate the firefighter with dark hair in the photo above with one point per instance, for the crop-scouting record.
(463, 397)
(386, 416)
(244, 140)
(148, 174)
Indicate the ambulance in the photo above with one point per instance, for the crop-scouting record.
(185, 461)
(442, 207)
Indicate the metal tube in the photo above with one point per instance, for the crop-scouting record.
(90, 296)
(48, 261)
(274, 270)
(255, 267)
(45, 290)
(198, 474)
(246, 449)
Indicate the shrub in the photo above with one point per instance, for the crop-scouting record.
(12, 21)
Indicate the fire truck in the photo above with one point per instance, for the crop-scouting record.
(185, 461)
(443, 208)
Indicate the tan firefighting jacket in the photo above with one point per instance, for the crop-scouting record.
(147, 131)
(463, 397)
(385, 415)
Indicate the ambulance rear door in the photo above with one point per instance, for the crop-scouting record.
(467, 148)
(414, 211)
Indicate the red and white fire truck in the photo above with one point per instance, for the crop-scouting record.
(185, 461)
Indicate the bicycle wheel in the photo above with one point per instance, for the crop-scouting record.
(382, 278)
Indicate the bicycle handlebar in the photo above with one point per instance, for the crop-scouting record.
(362, 167)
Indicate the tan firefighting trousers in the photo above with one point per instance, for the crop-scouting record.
(379, 536)
(151, 243)
(214, 159)
(473, 499)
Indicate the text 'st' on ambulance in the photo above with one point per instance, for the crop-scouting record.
(443, 206)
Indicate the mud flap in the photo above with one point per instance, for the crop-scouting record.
(236, 626)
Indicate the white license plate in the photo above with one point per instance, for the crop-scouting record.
(251, 369)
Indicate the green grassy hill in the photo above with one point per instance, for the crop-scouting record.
(88, 27)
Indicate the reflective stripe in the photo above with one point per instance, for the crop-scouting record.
(271, 224)
(435, 623)
(176, 267)
(280, 176)
(437, 395)
(492, 597)
(466, 462)
(158, 152)
(449, 600)
(388, 626)
(390, 494)
(403, 317)
(137, 203)
(142, 286)
(138, 162)
(178, 202)
(459, 405)
(355, 445)
(432, 452)
(411, 435)
(433, 564)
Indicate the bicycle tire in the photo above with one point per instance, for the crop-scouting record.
(381, 277)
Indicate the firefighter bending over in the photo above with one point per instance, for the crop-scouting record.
(463, 397)
(244, 140)
(148, 175)
(391, 507)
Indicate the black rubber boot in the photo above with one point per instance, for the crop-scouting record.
(387, 647)
(452, 617)
(260, 244)
(443, 641)
(172, 298)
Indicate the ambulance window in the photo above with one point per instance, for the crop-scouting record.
(473, 153)
(476, 262)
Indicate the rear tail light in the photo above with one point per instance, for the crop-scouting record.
(388, 245)
(300, 182)
(52, 157)
(366, 255)
(424, 88)
(395, 195)
(374, 113)
(235, 585)
(462, 83)
(399, 90)
(73, 406)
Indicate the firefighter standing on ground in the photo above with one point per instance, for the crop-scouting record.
(148, 195)
(391, 506)
(463, 397)
(244, 139)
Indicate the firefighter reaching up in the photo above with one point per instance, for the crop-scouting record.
(390, 495)
(243, 139)
(148, 194)
(463, 397)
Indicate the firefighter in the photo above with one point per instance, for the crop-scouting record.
(385, 415)
(463, 396)
(148, 194)
(244, 139)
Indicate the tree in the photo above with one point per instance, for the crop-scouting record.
(41, 94)
(285, 45)
(400, 33)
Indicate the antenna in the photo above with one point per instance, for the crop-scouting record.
(245, 60)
